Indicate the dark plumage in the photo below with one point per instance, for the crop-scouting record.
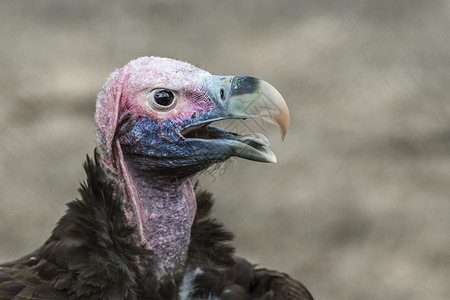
(102, 248)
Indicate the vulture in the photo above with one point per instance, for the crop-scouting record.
(140, 229)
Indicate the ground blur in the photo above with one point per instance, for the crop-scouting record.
(357, 206)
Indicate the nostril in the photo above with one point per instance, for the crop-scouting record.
(222, 94)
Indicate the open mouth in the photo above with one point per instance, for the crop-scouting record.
(205, 131)
(254, 146)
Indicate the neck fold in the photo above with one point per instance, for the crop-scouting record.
(162, 211)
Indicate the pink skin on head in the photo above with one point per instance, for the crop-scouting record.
(146, 207)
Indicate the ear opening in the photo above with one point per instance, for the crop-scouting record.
(109, 106)
(107, 112)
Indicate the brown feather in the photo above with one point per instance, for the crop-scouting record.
(88, 256)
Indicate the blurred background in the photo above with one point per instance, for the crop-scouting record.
(357, 206)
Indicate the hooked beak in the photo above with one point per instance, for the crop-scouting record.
(240, 97)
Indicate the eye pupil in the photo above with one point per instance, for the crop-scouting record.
(164, 97)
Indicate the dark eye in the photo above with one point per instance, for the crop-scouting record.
(164, 97)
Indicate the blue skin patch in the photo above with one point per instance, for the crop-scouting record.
(163, 146)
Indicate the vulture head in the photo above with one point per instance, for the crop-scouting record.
(154, 131)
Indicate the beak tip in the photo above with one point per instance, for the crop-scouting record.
(284, 126)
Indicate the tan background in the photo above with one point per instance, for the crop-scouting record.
(358, 205)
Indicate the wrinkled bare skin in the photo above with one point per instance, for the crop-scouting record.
(357, 206)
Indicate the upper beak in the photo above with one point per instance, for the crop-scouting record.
(238, 97)
(241, 97)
